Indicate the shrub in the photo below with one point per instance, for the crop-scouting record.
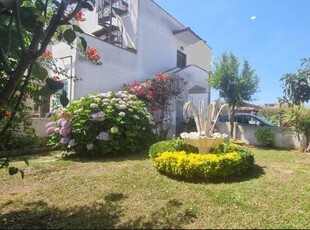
(103, 123)
(176, 144)
(265, 136)
(20, 134)
(203, 166)
(158, 92)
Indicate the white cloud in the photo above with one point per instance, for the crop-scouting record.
(253, 17)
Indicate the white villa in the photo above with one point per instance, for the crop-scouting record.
(136, 39)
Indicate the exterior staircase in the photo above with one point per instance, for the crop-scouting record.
(109, 18)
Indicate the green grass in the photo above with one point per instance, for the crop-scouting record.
(127, 192)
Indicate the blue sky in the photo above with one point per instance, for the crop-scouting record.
(274, 42)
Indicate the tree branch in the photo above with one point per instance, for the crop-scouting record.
(72, 15)
(6, 67)
(15, 109)
(50, 31)
(19, 29)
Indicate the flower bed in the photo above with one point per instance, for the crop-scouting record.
(225, 161)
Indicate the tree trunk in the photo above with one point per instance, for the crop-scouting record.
(232, 120)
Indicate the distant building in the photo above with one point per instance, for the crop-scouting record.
(271, 106)
(248, 108)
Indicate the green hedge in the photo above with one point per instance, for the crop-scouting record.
(203, 166)
(176, 144)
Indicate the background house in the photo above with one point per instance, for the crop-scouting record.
(135, 40)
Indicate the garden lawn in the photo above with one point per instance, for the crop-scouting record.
(127, 192)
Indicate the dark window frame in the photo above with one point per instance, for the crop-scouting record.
(181, 59)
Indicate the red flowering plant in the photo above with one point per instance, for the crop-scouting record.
(47, 54)
(79, 16)
(158, 93)
(92, 55)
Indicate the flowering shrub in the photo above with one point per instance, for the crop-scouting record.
(203, 166)
(158, 93)
(225, 160)
(79, 16)
(92, 55)
(47, 54)
(113, 122)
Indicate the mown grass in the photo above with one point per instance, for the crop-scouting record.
(127, 192)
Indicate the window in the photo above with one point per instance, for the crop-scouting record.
(181, 59)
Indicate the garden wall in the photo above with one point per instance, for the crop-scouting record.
(39, 125)
(284, 137)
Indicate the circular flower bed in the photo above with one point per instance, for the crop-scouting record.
(113, 122)
(226, 160)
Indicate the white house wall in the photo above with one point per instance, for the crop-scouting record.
(66, 58)
(200, 54)
(118, 67)
(91, 23)
(157, 48)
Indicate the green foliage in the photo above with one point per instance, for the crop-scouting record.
(227, 147)
(296, 86)
(20, 135)
(176, 144)
(265, 136)
(234, 87)
(102, 124)
(298, 117)
(203, 166)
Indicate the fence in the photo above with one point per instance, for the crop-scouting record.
(284, 137)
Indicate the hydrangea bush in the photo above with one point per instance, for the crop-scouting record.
(102, 123)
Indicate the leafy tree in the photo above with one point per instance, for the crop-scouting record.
(296, 87)
(235, 86)
(27, 27)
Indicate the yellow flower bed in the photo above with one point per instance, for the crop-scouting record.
(203, 166)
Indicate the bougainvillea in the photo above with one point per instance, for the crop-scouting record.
(158, 93)
(91, 54)
(102, 123)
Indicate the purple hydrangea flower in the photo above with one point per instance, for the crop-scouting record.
(64, 140)
(61, 122)
(104, 136)
(65, 130)
(50, 130)
(50, 124)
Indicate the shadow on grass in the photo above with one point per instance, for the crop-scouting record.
(254, 172)
(170, 216)
(103, 215)
(275, 149)
(39, 215)
(105, 158)
(74, 157)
